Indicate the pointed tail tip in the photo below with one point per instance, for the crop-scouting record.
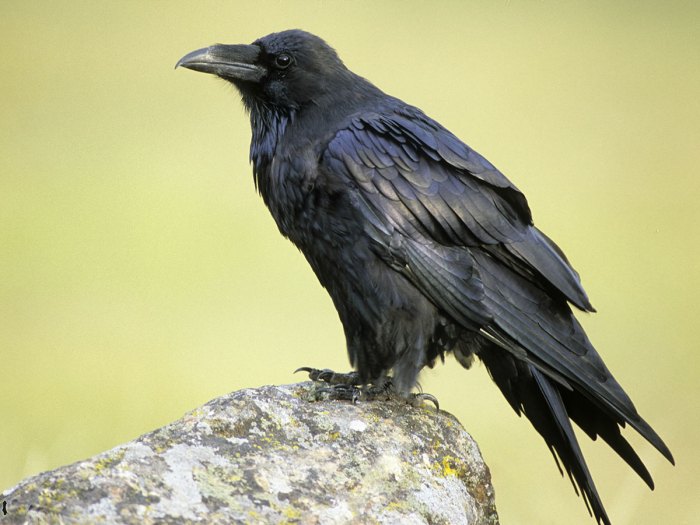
(667, 454)
(659, 445)
(648, 433)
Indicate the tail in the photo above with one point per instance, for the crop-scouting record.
(550, 408)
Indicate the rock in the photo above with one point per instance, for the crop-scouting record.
(270, 455)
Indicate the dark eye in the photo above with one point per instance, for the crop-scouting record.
(283, 61)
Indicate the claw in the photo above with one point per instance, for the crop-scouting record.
(425, 397)
(316, 374)
(329, 376)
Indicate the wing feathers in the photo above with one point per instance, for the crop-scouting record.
(463, 234)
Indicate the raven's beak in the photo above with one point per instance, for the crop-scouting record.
(236, 62)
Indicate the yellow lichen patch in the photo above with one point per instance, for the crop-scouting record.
(161, 447)
(292, 515)
(195, 414)
(374, 418)
(394, 505)
(451, 466)
(108, 462)
(436, 445)
(49, 498)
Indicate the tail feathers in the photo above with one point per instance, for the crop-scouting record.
(595, 423)
(566, 446)
(530, 392)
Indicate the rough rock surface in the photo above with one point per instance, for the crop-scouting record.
(271, 455)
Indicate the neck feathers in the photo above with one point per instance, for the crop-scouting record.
(268, 124)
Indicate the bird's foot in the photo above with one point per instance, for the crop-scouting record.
(349, 387)
(339, 386)
(356, 392)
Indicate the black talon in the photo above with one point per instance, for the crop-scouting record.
(425, 397)
(329, 376)
(315, 374)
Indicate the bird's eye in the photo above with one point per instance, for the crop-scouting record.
(283, 61)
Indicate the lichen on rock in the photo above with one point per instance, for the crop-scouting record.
(269, 455)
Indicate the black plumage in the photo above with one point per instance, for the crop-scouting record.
(423, 245)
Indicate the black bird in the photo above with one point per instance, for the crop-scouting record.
(423, 245)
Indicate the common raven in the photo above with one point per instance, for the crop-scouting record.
(423, 245)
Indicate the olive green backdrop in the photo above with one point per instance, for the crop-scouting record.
(140, 274)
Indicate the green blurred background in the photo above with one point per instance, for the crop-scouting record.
(141, 276)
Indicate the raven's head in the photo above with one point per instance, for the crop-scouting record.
(286, 70)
